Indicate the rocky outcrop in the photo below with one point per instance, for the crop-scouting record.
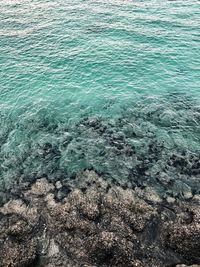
(97, 224)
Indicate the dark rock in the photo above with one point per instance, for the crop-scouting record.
(102, 225)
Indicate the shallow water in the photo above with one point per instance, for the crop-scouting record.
(106, 85)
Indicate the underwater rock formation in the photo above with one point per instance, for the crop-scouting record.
(156, 147)
(97, 224)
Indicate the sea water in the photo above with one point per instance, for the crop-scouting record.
(112, 86)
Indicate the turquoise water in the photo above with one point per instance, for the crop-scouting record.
(106, 85)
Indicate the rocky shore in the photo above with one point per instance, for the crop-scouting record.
(97, 224)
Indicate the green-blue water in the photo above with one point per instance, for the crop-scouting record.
(106, 85)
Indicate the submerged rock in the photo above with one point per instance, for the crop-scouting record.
(97, 224)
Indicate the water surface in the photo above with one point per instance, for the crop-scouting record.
(111, 86)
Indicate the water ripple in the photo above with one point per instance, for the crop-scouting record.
(111, 86)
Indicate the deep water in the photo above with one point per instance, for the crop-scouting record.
(111, 86)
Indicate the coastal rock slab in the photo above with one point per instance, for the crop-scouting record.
(97, 224)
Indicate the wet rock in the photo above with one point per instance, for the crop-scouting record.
(58, 185)
(41, 187)
(53, 248)
(149, 194)
(15, 254)
(196, 199)
(183, 190)
(187, 192)
(170, 200)
(102, 225)
(183, 235)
